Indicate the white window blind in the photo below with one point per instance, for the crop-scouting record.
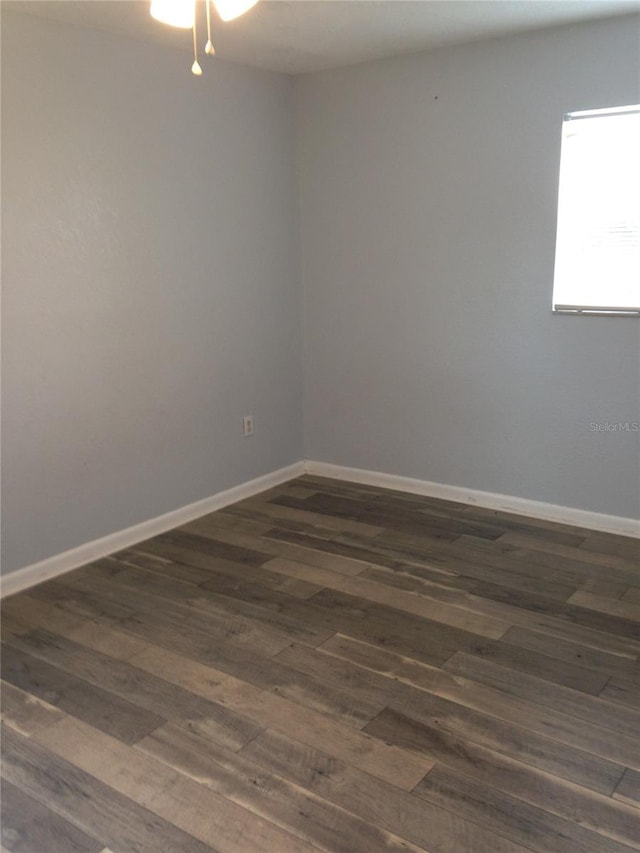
(597, 264)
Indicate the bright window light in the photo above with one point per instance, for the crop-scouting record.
(597, 267)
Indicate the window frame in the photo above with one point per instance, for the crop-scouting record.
(583, 309)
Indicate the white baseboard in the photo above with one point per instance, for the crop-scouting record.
(60, 563)
(507, 503)
(44, 570)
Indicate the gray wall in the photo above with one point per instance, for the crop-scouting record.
(151, 285)
(428, 197)
(150, 282)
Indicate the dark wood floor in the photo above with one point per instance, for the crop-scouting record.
(336, 667)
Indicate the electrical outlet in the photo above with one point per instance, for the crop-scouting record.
(247, 425)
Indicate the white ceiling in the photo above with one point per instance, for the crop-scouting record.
(296, 36)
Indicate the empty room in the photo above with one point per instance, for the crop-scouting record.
(320, 426)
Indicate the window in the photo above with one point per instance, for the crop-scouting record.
(597, 268)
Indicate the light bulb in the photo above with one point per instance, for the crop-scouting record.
(195, 68)
(176, 13)
(230, 9)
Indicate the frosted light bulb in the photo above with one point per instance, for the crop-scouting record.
(230, 9)
(176, 13)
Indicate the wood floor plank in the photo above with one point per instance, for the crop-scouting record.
(346, 546)
(375, 686)
(215, 524)
(551, 568)
(191, 807)
(599, 630)
(196, 603)
(292, 487)
(604, 587)
(30, 827)
(106, 639)
(263, 672)
(405, 727)
(163, 566)
(423, 582)
(471, 613)
(12, 626)
(632, 595)
(324, 614)
(269, 795)
(85, 604)
(211, 547)
(203, 680)
(540, 612)
(419, 555)
(486, 618)
(295, 525)
(434, 643)
(214, 615)
(538, 528)
(281, 508)
(223, 726)
(277, 548)
(388, 515)
(556, 721)
(624, 692)
(596, 710)
(24, 712)
(524, 781)
(517, 539)
(397, 766)
(360, 491)
(619, 665)
(566, 564)
(33, 613)
(135, 685)
(202, 569)
(550, 723)
(628, 790)
(455, 611)
(609, 543)
(520, 821)
(104, 710)
(496, 572)
(232, 601)
(92, 806)
(621, 608)
(544, 666)
(438, 830)
(281, 674)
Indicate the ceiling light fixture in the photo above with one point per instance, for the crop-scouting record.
(182, 13)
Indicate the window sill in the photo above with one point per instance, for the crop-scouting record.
(596, 310)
